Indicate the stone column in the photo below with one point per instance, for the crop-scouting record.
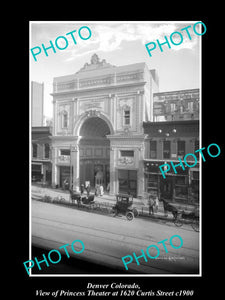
(54, 167)
(75, 163)
(44, 173)
(112, 172)
(140, 173)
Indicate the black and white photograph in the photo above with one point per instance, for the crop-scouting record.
(115, 148)
(119, 193)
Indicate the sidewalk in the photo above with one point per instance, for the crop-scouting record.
(38, 193)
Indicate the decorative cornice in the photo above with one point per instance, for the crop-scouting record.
(96, 63)
(64, 138)
(111, 89)
(133, 137)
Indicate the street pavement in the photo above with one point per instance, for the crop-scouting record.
(107, 239)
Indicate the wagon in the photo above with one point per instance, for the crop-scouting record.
(80, 198)
(191, 217)
(180, 215)
(124, 206)
(168, 206)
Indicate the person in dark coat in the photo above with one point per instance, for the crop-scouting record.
(82, 189)
(88, 189)
(151, 203)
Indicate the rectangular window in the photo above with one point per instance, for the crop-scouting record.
(127, 117)
(181, 149)
(190, 106)
(65, 120)
(166, 149)
(172, 107)
(34, 149)
(47, 150)
(127, 153)
(195, 175)
(196, 148)
(65, 152)
(153, 149)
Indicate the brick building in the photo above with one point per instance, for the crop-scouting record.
(41, 160)
(167, 141)
(176, 105)
(37, 104)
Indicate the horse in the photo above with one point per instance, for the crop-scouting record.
(169, 207)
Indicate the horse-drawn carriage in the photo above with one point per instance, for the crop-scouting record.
(81, 198)
(181, 215)
(124, 206)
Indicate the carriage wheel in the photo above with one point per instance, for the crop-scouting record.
(177, 219)
(115, 212)
(135, 211)
(129, 215)
(178, 222)
(195, 225)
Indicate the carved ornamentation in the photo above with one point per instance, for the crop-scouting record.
(126, 161)
(93, 113)
(95, 63)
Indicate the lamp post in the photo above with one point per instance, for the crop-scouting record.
(71, 183)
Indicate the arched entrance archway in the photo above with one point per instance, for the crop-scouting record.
(94, 151)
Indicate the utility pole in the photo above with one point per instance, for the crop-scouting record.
(70, 167)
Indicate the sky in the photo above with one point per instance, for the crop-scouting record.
(119, 43)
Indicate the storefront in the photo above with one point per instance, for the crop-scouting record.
(128, 182)
(41, 172)
(37, 172)
(182, 187)
(64, 174)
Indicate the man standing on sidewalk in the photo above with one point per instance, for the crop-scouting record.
(151, 203)
(88, 189)
(156, 203)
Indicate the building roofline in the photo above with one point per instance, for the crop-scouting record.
(177, 122)
(110, 70)
(40, 129)
(177, 91)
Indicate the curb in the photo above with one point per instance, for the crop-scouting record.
(102, 211)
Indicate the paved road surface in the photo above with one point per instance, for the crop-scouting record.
(108, 239)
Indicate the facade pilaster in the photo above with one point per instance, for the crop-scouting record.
(140, 173)
(75, 164)
(112, 171)
(54, 167)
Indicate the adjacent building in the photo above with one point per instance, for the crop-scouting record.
(176, 105)
(165, 142)
(37, 104)
(41, 165)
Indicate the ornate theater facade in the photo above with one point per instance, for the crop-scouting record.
(98, 135)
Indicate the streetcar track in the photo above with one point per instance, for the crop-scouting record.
(161, 221)
(114, 257)
(107, 232)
